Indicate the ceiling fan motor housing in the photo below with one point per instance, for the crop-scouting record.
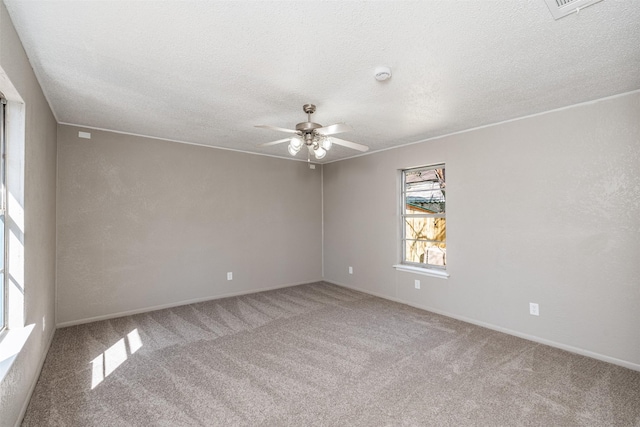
(307, 127)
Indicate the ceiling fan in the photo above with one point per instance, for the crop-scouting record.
(316, 137)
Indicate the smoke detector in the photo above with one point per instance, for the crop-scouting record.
(383, 73)
(561, 8)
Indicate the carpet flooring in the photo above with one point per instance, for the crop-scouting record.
(318, 355)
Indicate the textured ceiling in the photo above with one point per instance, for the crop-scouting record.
(206, 72)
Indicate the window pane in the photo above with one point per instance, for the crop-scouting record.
(431, 253)
(3, 199)
(421, 228)
(1, 242)
(424, 179)
(424, 191)
(424, 175)
(2, 285)
(425, 202)
(2, 324)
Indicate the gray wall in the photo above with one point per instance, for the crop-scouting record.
(38, 196)
(145, 223)
(544, 209)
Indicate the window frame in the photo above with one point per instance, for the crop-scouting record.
(439, 270)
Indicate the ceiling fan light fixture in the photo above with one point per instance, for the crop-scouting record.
(296, 143)
(326, 143)
(320, 153)
(292, 150)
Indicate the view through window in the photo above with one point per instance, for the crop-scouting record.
(3, 210)
(423, 217)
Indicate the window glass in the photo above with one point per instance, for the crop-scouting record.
(424, 231)
(3, 204)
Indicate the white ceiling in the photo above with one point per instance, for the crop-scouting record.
(205, 72)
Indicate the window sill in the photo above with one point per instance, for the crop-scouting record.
(11, 344)
(442, 274)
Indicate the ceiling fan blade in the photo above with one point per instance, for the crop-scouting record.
(276, 128)
(333, 129)
(280, 141)
(350, 144)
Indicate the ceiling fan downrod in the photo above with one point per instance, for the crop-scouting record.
(309, 109)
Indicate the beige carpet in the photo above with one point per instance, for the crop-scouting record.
(318, 354)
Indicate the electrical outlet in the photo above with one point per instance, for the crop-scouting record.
(350, 270)
(534, 309)
(417, 284)
(230, 275)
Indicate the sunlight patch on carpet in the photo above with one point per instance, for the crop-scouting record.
(106, 363)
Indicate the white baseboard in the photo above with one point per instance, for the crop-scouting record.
(176, 304)
(569, 348)
(43, 356)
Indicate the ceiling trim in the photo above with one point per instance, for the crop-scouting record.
(363, 154)
(185, 142)
(579, 104)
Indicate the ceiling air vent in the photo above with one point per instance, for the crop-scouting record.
(560, 8)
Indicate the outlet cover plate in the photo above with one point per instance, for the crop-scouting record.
(534, 309)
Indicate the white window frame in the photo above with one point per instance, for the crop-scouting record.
(16, 333)
(408, 266)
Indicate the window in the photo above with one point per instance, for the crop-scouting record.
(3, 210)
(423, 217)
